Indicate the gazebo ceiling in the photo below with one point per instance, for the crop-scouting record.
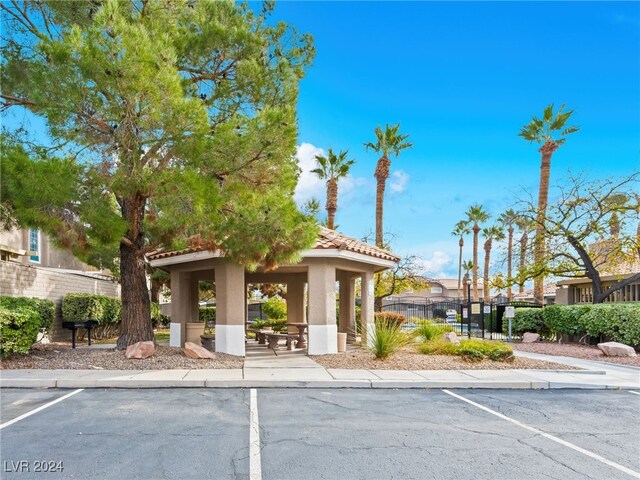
(328, 240)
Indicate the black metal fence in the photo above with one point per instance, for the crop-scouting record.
(475, 319)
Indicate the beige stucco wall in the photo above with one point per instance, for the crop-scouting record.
(50, 256)
(17, 280)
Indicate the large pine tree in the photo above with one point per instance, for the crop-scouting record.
(168, 122)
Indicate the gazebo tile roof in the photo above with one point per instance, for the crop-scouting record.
(328, 239)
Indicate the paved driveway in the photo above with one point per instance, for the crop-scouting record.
(321, 434)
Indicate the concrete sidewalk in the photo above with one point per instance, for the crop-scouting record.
(597, 375)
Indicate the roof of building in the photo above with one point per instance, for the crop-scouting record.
(549, 291)
(328, 239)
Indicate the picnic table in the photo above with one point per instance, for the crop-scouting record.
(302, 339)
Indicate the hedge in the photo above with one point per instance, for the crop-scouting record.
(527, 320)
(275, 308)
(617, 321)
(207, 314)
(19, 328)
(82, 306)
(46, 309)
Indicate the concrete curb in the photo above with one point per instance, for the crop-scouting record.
(513, 384)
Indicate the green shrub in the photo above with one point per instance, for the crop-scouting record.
(527, 320)
(275, 308)
(618, 321)
(258, 324)
(207, 314)
(46, 309)
(388, 338)
(470, 350)
(429, 331)
(385, 318)
(165, 320)
(279, 325)
(82, 306)
(155, 314)
(19, 327)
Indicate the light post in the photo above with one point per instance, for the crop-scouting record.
(469, 305)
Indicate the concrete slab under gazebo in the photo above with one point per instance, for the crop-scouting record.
(334, 258)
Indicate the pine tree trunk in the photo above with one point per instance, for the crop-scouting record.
(461, 244)
(476, 230)
(485, 283)
(136, 310)
(381, 174)
(509, 264)
(543, 195)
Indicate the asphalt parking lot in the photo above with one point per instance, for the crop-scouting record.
(319, 434)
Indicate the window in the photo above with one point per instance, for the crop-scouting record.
(34, 245)
(435, 289)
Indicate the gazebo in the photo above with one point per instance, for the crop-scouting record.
(334, 258)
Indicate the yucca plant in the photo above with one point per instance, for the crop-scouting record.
(388, 338)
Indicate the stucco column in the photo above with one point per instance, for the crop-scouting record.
(295, 301)
(230, 309)
(323, 331)
(181, 307)
(347, 317)
(366, 312)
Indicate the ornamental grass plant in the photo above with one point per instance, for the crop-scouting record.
(388, 338)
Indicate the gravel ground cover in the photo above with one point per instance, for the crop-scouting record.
(62, 356)
(410, 360)
(587, 352)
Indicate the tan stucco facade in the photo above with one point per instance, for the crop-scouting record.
(311, 294)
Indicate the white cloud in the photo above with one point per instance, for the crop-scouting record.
(399, 181)
(309, 184)
(436, 266)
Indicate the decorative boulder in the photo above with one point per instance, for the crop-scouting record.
(192, 350)
(529, 337)
(451, 337)
(615, 349)
(140, 350)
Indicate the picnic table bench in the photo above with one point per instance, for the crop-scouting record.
(73, 326)
(273, 338)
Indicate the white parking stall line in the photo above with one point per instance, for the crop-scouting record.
(40, 408)
(631, 391)
(255, 462)
(588, 453)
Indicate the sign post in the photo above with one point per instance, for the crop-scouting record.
(510, 312)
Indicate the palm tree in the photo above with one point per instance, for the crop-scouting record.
(476, 215)
(467, 266)
(460, 230)
(508, 219)
(332, 168)
(524, 225)
(550, 132)
(491, 234)
(388, 142)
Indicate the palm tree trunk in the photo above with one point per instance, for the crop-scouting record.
(332, 202)
(485, 283)
(509, 264)
(381, 174)
(543, 195)
(476, 230)
(524, 240)
(461, 243)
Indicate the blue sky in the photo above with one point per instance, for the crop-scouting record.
(461, 79)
